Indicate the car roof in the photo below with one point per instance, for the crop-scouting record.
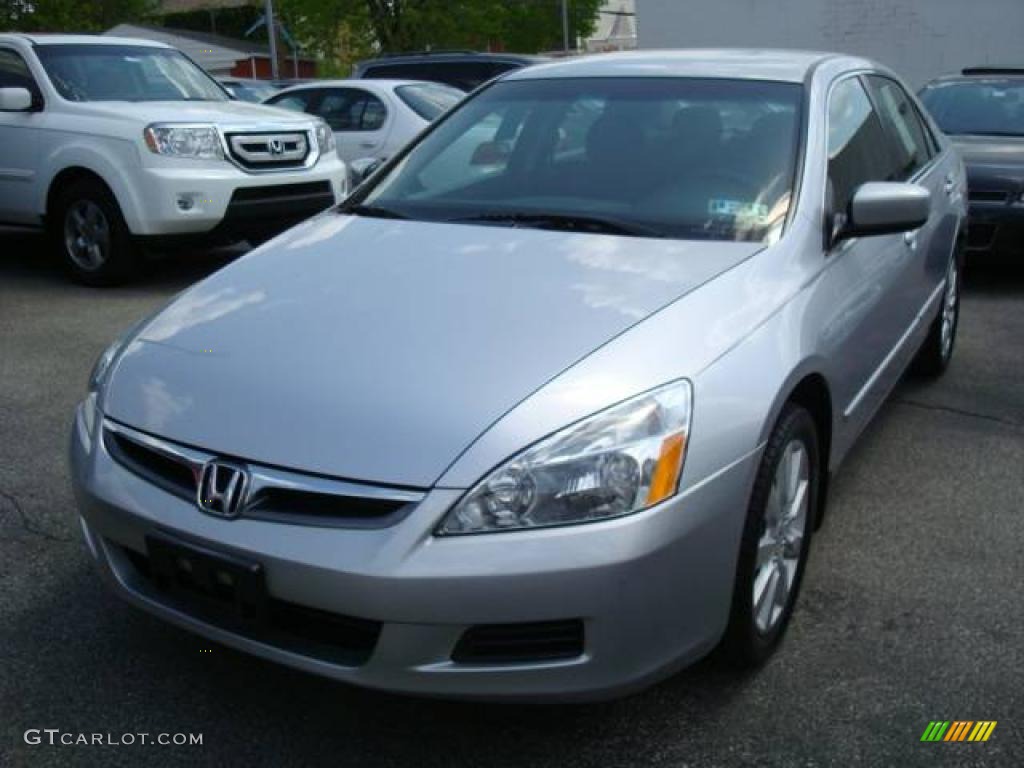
(759, 64)
(451, 56)
(357, 82)
(47, 38)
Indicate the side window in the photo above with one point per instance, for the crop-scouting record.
(352, 109)
(14, 73)
(855, 136)
(909, 145)
(298, 101)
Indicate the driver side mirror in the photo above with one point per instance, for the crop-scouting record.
(15, 100)
(882, 208)
(362, 169)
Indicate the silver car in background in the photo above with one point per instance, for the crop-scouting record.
(548, 407)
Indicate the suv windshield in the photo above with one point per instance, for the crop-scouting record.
(429, 100)
(661, 157)
(126, 73)
(982, 107)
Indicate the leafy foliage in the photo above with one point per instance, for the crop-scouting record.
(71, 15)
(345, 30)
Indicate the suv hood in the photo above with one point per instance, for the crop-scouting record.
(991, 150)
(224, 113)
(378, 350)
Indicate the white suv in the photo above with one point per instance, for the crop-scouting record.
(113, 143)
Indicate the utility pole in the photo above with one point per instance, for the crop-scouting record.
(272, 34)
(565, 24)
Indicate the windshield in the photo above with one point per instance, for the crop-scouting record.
(983, 107)
(429, 100)
(662, 157)
(126, 73)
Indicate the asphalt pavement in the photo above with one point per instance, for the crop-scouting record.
(911, 609)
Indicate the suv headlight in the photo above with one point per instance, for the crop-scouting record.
(621, 460)
(324, 138)
(199, 142)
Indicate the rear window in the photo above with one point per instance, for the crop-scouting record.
(464, 75)
(428, 100)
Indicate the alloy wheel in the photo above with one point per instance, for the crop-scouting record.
(950, 306)
(781, 544)
(86, 235)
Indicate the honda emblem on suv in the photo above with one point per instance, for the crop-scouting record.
(222, 488)
(276, 146)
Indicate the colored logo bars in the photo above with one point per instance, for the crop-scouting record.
(958, 730)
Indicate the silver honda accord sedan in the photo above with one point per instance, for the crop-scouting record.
(549, 406)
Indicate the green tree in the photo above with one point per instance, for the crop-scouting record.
(342, 30)
(71, 15)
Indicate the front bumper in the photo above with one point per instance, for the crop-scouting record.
(996, 229)
(652, 590)
(224, 200)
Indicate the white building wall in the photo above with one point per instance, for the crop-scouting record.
(920, 39)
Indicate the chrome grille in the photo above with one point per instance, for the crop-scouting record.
(272, 494)
(266, 151)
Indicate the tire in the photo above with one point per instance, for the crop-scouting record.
(90, 235)
(937, 349)
(756, 628)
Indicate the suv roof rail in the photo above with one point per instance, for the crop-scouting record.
(993, 71)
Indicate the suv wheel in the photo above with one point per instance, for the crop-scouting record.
(91, 236)
(776, 539)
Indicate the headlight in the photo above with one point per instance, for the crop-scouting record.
(324, 138)
(96, 380)
(199, 142)
(616, 462)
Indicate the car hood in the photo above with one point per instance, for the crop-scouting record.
(378, 350)
(222, 113)
(991, 150)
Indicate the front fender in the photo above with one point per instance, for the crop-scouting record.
(114, 161)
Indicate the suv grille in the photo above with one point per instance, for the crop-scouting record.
(269, 151)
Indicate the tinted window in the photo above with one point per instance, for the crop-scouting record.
(910, 149)
(14, 72)
(126, 73)
(686, 158)
(351, 109)
(464, 75)
(856, 143)
(985, 106)
(429, 100)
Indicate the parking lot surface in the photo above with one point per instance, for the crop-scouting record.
(910, 610)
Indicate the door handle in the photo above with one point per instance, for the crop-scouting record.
(366, 144)
(910, 240)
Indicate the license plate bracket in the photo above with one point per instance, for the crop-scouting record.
(223, 585)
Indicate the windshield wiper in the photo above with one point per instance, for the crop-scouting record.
(374, 211)
(564, 222)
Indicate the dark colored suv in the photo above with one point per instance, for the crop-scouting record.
(461, 69)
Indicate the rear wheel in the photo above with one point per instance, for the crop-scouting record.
(937, 350)
(776, 539)
(91, 236)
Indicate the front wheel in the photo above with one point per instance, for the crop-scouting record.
(776, 538)
(91, 236)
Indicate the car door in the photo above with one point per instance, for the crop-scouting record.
(917, 160)
(19, 144)
(863, 289)
(360, 120)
